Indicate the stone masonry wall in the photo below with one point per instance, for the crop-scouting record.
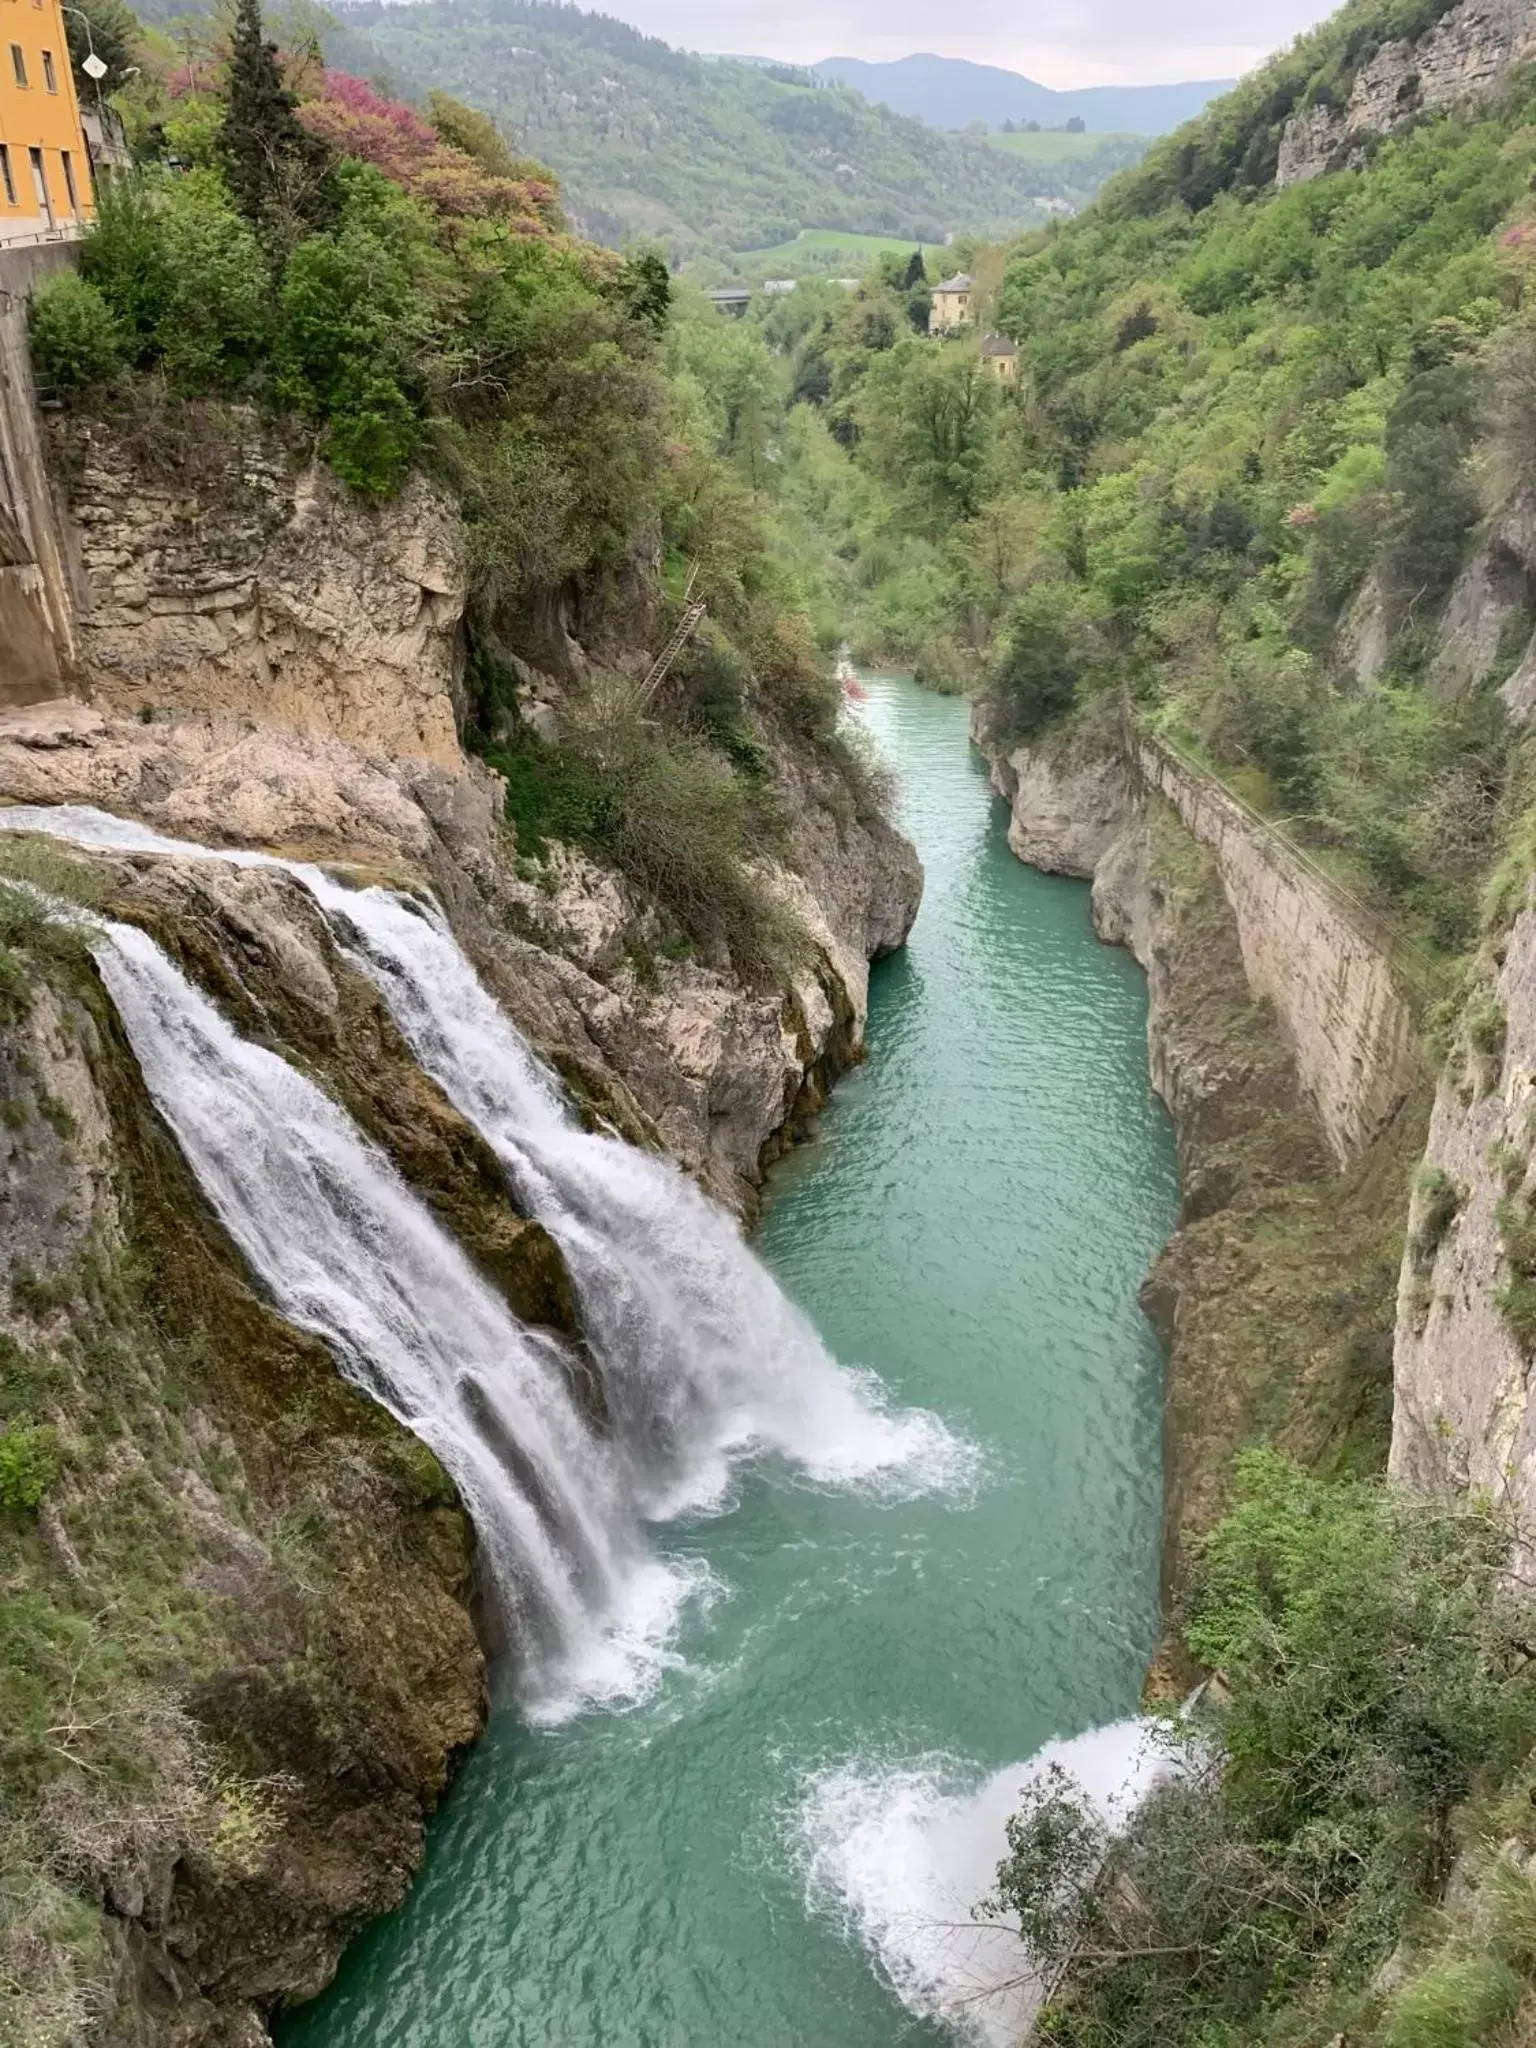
(37, 638)
(1329, 981)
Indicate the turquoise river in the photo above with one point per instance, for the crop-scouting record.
(780, 1846)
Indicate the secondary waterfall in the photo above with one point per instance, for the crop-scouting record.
(703, 1356)
(704, 1359)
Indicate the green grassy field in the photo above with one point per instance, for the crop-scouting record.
(1057, 148)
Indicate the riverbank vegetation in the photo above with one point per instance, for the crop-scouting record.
(1343, 1847)
(1264, 472)
(1263, 486)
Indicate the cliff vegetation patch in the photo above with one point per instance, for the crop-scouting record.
(1377, 1711)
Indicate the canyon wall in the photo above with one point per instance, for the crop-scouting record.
(263, 660)
(1463, 56)
(224, 573)
(1464, 1417)
(1305, 949)
(1276, 1295)
(266, 658)
(1312, 955)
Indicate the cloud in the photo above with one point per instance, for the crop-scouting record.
(1059, 42)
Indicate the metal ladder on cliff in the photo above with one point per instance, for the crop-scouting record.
(693, 610)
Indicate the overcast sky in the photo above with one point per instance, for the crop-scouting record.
(1059, 42)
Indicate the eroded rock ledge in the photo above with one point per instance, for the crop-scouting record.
(267, 662)
(678, 1054)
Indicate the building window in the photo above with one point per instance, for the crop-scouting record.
(48, 78)
(19, 63)
(69, 181)
(5, 176)
(40, 186)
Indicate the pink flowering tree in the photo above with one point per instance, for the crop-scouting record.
(358, 122)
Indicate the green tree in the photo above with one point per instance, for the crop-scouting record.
(278, 174)
(645, 289)
(924, 412)
(110, 29)
(475, 133)
(77, 342)
(343, 350)
(1376, 1670)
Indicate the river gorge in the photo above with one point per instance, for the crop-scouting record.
(782, 1832)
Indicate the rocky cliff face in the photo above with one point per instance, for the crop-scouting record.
(222, 573)
(267, 663)
(271, 661)
(239, 1660)
(1463, 1416)
(1066, 804)
(1304, 951)
(675, 1053)
(1463, 56)
(1348, 1027)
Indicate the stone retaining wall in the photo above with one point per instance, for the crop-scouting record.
(1331, 981)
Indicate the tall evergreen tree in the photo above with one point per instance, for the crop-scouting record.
(275, 169)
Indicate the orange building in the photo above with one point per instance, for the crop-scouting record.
(45, 172)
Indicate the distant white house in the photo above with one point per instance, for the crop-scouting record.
(778, 287)
(952, 304)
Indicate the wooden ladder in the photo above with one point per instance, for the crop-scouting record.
(683, 632)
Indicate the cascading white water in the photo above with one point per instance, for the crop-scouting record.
(904, 1850)
(704, 1359)
(347, 1251)
(703, 1356)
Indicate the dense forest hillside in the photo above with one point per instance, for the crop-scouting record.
(949, 92)
(703, 156)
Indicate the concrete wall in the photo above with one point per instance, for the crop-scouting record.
(1304, 950)
(39, 582)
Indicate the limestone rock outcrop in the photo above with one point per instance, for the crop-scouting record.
(1303, 950)
(675, 1053)
(251, 582)
(1463, 1414)
(1463, 56)
(313, 1541)
(1262, 1339)
(1067, 803)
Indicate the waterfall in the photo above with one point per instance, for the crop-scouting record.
(704, 1359)
(703, 1356)
(347, 1251)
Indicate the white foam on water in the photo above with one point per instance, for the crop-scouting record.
(902, 1852)
(705, 1361)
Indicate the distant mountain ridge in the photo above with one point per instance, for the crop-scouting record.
(709, 157)
(951, 92)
